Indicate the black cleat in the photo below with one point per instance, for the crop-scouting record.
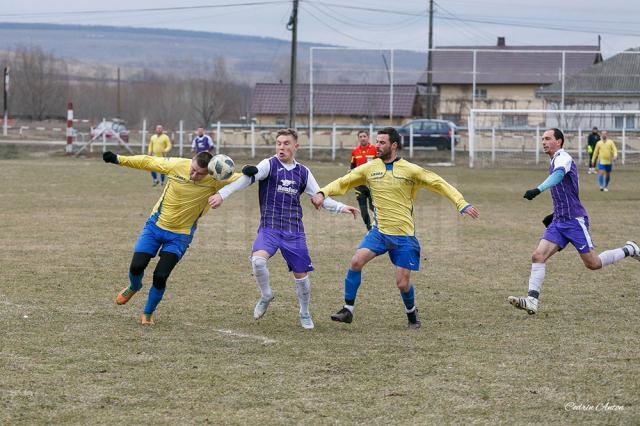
(343, 315)
(414, 322)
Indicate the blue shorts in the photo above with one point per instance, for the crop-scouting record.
(292, 245)
(153, 237)
(575, 231)
(606, 167)
(404, 250)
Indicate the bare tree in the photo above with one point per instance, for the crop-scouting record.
(209, 95)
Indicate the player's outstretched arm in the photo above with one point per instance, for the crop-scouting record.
(553, 179)
(110, 157)
(313, 190)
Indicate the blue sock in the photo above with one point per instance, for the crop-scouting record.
(155, 296)
(162, 178)
(600, 181)
(351, 284)
(606, 181)
(408, 299)
(154, 176)
(136, 281)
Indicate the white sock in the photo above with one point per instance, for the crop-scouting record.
(349, 307)
(610, 257)
(260, 271)
(303, 290)
(536, 278)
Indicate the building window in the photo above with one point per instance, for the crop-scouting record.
(619, 122)
(481, 93)
(515, 120)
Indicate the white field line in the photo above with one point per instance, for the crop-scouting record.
(265, 340)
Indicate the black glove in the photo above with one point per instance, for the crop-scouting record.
(532, 193)
(249, 170)
(547, 220)
(110, 157)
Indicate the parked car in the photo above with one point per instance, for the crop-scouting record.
(435, 133)
(111, 128)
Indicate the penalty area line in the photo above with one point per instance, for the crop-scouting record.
(265, 340)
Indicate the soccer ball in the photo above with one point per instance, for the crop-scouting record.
(221, 167)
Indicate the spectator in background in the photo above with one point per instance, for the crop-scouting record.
(593, 139)
(159, 145)
(360, 155)
(201, 143)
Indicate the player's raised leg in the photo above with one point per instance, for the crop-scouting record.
(139, 263)
(352, 283)
(610, 257)
(544, 251)
(165, 265)
(261, 274)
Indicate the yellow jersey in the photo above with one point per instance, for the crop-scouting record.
(607, 152)
(159, 145)
(393, 189)
(183, 201)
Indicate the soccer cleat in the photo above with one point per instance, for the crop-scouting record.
(155, 183)
(606, 190)
(261, 308)
(124, 296)
(306, 322)
(415, 324)
(529, 304)
(634, 249)
(147, 319)
(343, 315)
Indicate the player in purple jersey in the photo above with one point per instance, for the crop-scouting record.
(281, 182)
(570, 223)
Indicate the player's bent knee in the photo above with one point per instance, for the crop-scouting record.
(356, 263)
(258, 262)
(403, 286)
(139, 263)
(538, 257)
(160, 280)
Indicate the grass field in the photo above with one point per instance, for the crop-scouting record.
(68, 354)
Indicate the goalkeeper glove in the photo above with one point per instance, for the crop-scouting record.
(110, 157)
(532, 193)
(249, 170)
(547, 220)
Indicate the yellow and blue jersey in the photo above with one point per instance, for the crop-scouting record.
(393, 189)
(605, 152)
(159, 145)
(183, 201)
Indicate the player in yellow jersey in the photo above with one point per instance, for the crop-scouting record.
(173, 220)
(394, 183)
(604, 154)
(159, 146)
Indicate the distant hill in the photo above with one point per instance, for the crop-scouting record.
(249, 59)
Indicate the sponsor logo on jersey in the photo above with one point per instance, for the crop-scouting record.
(288, 186)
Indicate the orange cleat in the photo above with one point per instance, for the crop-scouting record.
(147, 319)
(124, 296)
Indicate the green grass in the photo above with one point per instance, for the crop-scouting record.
(68, 354)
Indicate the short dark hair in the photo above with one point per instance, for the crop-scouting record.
(288, 132)
(203, 158)
(558, 135)
(394, 136)
(366, 132)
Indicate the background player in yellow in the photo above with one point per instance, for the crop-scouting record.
(159, 146)
(604, 154)
(394, 183)
(173, 220)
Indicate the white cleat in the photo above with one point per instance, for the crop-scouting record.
(306, 322)
(634, 249)
(529, 304)
(261, 308)
(606, 190)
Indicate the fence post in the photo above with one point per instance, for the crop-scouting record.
(69, 146)
(411, 141)
(104, 136)
(218, 138)
(493, 145)
(144, 136)
(580, 145)
(333, 142)
(472, 137)
(253, 140)
(181, 136)
(453, 146)
(624, 138)
(537, 148)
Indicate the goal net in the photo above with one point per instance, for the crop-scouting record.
(504, 137)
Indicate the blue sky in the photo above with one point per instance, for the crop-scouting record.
(346, 23)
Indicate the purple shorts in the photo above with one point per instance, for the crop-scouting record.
(574, 231)
(292, 245)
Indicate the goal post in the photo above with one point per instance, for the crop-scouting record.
(502, 136)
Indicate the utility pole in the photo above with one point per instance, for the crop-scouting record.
(292, 26)
(430, 64)
(5, 122)
(118, 96)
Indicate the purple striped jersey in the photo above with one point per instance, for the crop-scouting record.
(565, 195)
(279, 196)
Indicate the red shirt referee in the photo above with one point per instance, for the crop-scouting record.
(361, 154)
